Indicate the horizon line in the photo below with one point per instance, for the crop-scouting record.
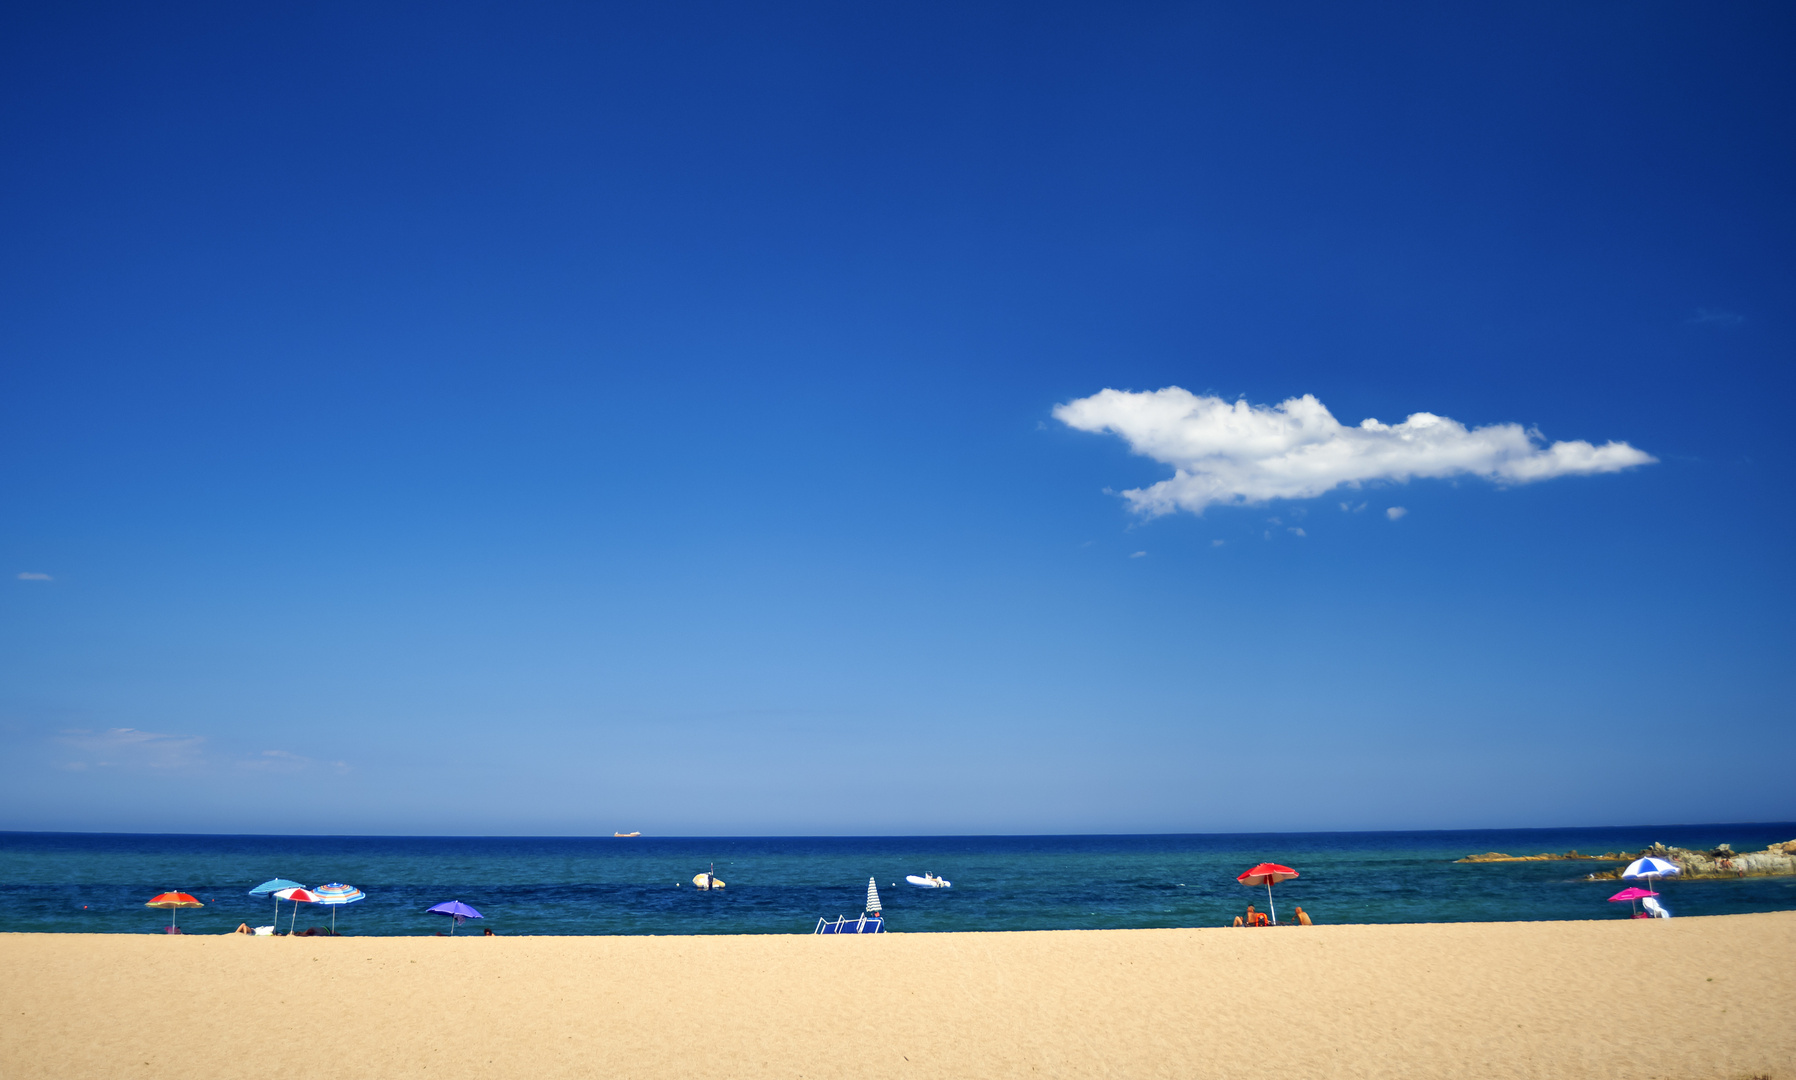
(882, 836)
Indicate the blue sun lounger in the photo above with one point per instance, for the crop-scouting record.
(870, 922)
(866, 924)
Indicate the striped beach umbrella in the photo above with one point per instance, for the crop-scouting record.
(336, 894)
(872, 896)
(173, 902)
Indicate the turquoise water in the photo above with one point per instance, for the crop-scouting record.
(97, 883)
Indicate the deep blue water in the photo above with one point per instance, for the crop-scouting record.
(97, 883)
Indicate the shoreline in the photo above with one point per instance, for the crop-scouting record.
(808, 935)
(1710, 994)
(782, 935)
(1602, 919)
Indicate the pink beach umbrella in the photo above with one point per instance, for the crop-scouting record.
(1631, 894)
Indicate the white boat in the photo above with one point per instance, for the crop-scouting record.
(928, 881)
(708, 880)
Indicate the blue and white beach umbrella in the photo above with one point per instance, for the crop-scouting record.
(336, 894)
(1650, 868)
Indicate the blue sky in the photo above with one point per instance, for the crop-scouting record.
(559, 418)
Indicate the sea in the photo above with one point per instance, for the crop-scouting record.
(98, 883)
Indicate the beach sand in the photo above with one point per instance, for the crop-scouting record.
(1684, 999)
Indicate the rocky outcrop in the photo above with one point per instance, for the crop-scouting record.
(1722, 862)
(1497, 856)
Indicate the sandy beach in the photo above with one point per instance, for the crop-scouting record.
(1687, 998)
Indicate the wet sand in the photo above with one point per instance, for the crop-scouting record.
(1680, 999)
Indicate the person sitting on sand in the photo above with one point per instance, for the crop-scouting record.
(488, 932)
(1302, 919)
(243, 928)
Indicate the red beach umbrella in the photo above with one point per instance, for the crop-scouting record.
(298, 896)
(172, 902)
(1267, 874)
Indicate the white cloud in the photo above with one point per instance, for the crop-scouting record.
(1139, 555)
(1297, 532)
(31, 576)
(286, 761)
(277, 761)
(1395, 512)
(1234, 453)
(129, 748)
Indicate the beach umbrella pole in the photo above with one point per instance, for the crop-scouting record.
(1269, 900)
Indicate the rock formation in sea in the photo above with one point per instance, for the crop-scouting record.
(1721, 862)
(1545, 856)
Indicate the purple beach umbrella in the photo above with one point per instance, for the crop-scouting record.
(456, 910)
